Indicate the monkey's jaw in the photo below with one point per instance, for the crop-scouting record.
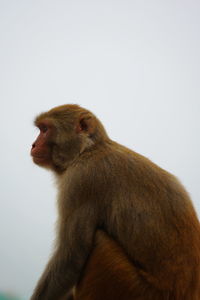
(40, 161)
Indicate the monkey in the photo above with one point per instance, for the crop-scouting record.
(126, 229)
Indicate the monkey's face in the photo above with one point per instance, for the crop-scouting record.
(55, 147)
(41, 151)
(64, 135)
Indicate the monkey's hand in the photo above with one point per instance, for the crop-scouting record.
(75, 240)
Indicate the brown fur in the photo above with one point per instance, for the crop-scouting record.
(149, 248)
(109, 274)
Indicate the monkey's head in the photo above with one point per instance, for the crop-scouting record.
(65, 132)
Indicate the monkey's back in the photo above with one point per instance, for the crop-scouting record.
(150, 214)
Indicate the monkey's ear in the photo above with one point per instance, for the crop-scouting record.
(86, 125)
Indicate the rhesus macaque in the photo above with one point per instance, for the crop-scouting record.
(126, 228)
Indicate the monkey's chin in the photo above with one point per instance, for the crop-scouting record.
(41, 161)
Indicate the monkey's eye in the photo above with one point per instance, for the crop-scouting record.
(43, 128)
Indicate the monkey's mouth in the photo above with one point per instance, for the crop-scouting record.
(39, 159)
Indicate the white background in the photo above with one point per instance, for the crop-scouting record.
(135, 64)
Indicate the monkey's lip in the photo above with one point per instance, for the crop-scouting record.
(38, 158)
(35, 155)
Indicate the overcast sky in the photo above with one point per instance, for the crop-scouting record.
(135, 64)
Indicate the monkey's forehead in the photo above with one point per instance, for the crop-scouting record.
(62, 112)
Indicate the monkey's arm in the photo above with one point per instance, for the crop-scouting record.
(74, 245)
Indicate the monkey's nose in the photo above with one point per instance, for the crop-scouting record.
(33, 145)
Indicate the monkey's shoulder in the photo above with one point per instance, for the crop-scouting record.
(114, 159)
(112, 166)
